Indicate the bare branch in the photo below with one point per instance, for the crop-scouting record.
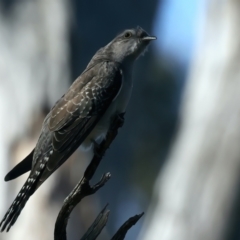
(97, 225)
(83, 188)
(122, 231)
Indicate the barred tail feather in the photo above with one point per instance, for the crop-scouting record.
(18, 204)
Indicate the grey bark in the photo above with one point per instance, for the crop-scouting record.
(196, 191)
(33, 72)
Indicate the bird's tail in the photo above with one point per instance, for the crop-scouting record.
(18, 204)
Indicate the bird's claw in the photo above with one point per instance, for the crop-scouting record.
(118, 120)
(96, 148)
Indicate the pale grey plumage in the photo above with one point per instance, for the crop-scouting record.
(82, 115)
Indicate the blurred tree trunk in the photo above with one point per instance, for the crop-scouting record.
(34, 73)
(197, 193)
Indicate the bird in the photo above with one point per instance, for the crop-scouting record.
(82, 116)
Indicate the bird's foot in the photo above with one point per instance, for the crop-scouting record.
(118, 121)
(96, 149)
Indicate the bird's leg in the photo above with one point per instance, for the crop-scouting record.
(100, 148)
(97, 150)
(117, 122)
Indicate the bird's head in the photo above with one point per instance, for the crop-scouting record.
(129, 45)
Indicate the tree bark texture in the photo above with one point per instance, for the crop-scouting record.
(197, 190)
(34, 72)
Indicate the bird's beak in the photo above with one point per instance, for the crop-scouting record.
(149, 38)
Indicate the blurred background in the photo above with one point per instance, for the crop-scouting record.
(177, 157)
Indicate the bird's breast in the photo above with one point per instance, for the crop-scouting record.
(118, 105)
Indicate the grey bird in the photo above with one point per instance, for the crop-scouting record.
(82, 115)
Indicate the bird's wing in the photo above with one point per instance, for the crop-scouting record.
(24, 166)
(66, 126)
(79, 110)
(83, 105)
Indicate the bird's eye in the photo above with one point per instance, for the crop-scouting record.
(127, 34)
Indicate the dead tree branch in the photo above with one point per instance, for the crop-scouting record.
(83, 189)
(97, 225)
(122, 231)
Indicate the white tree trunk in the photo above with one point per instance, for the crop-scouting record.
(33, 71)
(194, 193)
